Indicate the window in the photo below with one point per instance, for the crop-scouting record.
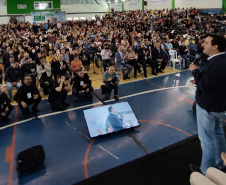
(44, 5)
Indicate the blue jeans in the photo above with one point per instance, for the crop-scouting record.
(110, 87)
(10, 88)
(186, 57)
(211, 136)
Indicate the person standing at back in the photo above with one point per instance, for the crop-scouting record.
(211, 103)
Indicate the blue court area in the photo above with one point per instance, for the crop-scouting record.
(161, 104)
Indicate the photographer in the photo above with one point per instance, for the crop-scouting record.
(82, 83)
(111, 81)
(58, 93)
(45, 75)
(106, 57)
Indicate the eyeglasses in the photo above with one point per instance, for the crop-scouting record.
(28, 79)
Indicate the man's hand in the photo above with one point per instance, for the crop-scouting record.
(223, 156)
(192, 67)
(35, 96)
(109, 79)
(6, 109)
(3, 114)
(24, 104)
(87, 90)
(13, 83)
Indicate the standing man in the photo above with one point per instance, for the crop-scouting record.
(211, 103)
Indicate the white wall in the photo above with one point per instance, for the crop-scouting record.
(159, 5)
(3, 11)
(136, 5)
(203, 4)
(84, 8)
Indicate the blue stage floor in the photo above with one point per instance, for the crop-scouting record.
(161, 104)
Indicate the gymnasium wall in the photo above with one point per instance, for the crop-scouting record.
(199, 4)
(12, 6)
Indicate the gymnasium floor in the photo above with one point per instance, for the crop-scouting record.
(161, 104)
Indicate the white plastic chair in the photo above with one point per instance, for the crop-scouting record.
(175, 59)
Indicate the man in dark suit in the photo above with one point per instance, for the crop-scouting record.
(158, 56)
(211, 103)
(113, 120)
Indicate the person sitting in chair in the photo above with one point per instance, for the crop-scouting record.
(122, 62)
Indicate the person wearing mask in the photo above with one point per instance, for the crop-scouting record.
(45, 75)
(5, 106)
(26, 95)
(12, 78)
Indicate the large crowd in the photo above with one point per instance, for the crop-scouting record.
(56, 53)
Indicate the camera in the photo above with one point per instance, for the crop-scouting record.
(114, 80)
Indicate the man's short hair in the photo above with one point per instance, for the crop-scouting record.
(109, 108)
(218, 40)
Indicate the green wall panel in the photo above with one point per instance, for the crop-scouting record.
(12, 6)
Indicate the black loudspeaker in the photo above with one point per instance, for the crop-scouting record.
(30, 158)
(145, 3)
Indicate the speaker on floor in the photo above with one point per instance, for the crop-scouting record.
(30, 158)
(145, 3)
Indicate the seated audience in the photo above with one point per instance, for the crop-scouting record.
(61, 68)
(12, 78)
(183, 50)
(45, 75)
(132, 60)
(158, 56)
(76, 64)
(5, 106)
(106, 57)
(26, 95)
(121, 62)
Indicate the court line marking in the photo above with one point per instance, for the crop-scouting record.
(108, 152)
(98, 103)
(10, 151)
(90, 139)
